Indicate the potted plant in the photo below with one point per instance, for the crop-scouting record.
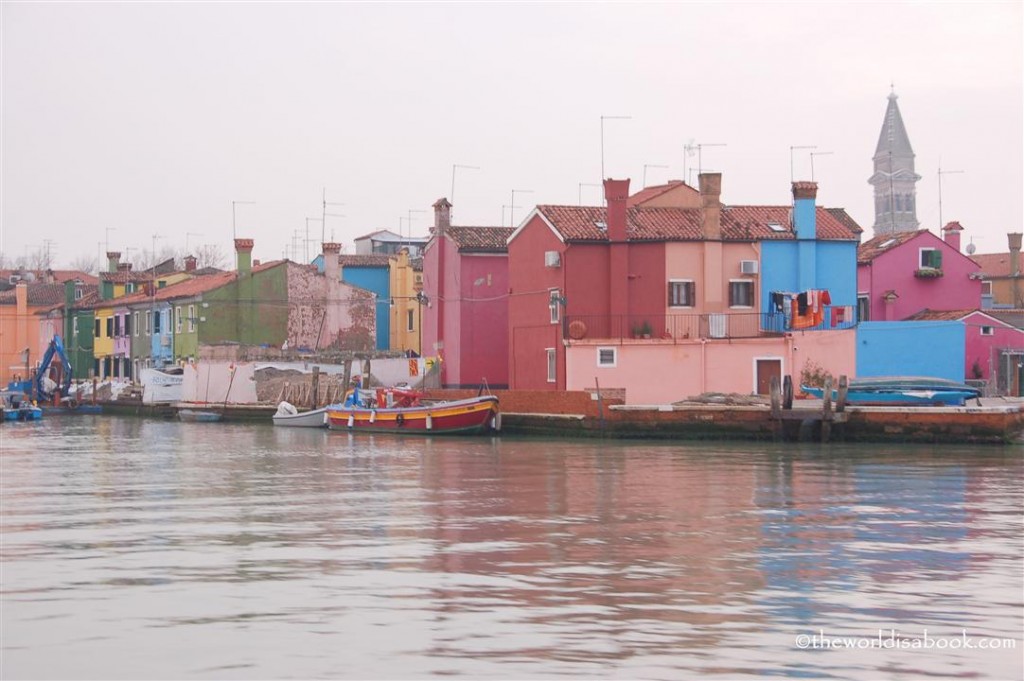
(645, 329)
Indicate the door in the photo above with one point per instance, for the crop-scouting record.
(766, 369)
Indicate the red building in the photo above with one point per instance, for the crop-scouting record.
(465, 282)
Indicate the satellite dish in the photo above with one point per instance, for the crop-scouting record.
(971, 248)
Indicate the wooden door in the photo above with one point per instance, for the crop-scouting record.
(766, 368)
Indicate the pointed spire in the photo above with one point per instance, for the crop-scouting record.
(893, 137)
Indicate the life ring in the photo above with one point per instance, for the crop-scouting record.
(400, 420)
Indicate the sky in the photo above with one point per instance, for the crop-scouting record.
(134, 126)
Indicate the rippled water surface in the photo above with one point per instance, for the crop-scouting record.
(149, 549)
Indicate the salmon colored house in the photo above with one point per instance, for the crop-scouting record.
(665, 300)
(30, 315)
(465, 290)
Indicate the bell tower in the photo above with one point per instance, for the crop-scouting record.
(894, 179)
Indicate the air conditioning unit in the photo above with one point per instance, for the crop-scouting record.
(748, 267)
(552, 259)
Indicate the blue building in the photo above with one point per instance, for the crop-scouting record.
(933, 348)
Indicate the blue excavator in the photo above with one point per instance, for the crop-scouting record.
(41, 386)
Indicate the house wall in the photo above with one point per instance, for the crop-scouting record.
(103, 345)
(692, 367)
(377, 280)
(894, 270)
(328, 314)
(186, 342)
(404, 285)
(929, 348)
(79, 346)
(252, 310)
(835, 270)
(162, 343)
(484, 323)
(979, 348)
(442, 320)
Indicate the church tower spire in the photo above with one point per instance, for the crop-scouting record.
(894, 178)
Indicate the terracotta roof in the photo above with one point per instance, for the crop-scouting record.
(649, 193)
(59, 276)
(871, 249)
(1011, 317)
(125, 276)
(489, 239)
(203, 271)
(739, 223)
(997, 264)
(368, 260)
(182, 289)
(939, 315)
(39, 295)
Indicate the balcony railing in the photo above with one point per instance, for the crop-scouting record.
(679, 327)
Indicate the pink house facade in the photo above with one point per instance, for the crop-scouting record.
(988, 341)
(901, 274)
(465, 284)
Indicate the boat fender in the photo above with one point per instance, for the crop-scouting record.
(373, 416)
(400, 420)
(351, 420)
(430, 421)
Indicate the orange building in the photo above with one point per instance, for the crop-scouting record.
(25, 313)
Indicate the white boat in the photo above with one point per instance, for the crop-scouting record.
(287, 415)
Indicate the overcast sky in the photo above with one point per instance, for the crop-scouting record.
(151, 118)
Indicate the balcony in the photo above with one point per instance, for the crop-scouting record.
(683, 327)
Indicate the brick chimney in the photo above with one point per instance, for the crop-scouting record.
(113, 259)
(243, 256)
(951, 234)
(442, 216)
(331, 253)
(616, 192)
(1014, 239)
(711, 206)
(805, 213)
(190, 263)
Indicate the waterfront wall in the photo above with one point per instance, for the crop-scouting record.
(931, 348)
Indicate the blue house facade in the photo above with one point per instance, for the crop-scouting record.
(161, 336)
(934, 349)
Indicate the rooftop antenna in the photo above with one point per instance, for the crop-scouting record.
(700, 146)
(689, 149)
(941, 173)
(792, 148)
(512, 206)
(817, 153)
(650, 165)
(503, 207)
(323, 226)
(579, 198)
(408, 222)
(451, 198)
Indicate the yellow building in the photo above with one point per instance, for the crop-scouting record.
(406, 283)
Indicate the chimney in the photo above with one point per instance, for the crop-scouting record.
(616, 192)
(805, 214)
(256, 262)
(113, 259)
(190, 263)
(331, 252)
(951, 234)
(711, 205)
(124, 267)
(243, 256)
(50, 278)
(442, 216)
(1014, 239)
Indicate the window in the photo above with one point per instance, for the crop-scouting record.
(680, 293)
(110, 327)
(554, 300)
(987, 331)
(410, 321)
(128, 323)
(191, 318)
(607, 357)
(149, 322)
(177, 319)
(863, 308)
(157, 318)
(129, 287)
(986, 288)
(96, 331)
(117, 325)
(741, 293)
(551, 365)
(78, 294)
(74, 326)
(931, 257)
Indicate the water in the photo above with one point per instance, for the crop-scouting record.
(147, 549)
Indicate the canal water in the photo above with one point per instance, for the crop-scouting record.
(138, 549)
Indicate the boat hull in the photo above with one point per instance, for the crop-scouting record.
(23, 414)
(316, 418)
(475, 415)
(897, 398)
(199, 416)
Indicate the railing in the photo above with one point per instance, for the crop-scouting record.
(679, 327)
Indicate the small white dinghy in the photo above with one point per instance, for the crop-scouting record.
(288, 415)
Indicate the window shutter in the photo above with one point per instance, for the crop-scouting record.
(937, 259)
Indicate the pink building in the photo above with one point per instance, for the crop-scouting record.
(465, 281)
(659, 294)
(901, 274)
(989, 341)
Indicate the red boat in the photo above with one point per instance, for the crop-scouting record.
(398, 411)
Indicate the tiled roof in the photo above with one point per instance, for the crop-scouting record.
(739, 223)
(182, 289)
(939, 315)
(649, 193)
(368, 260)
(59, 276)
(1011, 317)
(203, 271)
(997, 264)
(871, 249)
(480, 238)
(125, 276)
(39, 295)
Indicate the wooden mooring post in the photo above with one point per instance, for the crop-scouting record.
(832, 412)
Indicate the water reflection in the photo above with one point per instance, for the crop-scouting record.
(269, 552)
